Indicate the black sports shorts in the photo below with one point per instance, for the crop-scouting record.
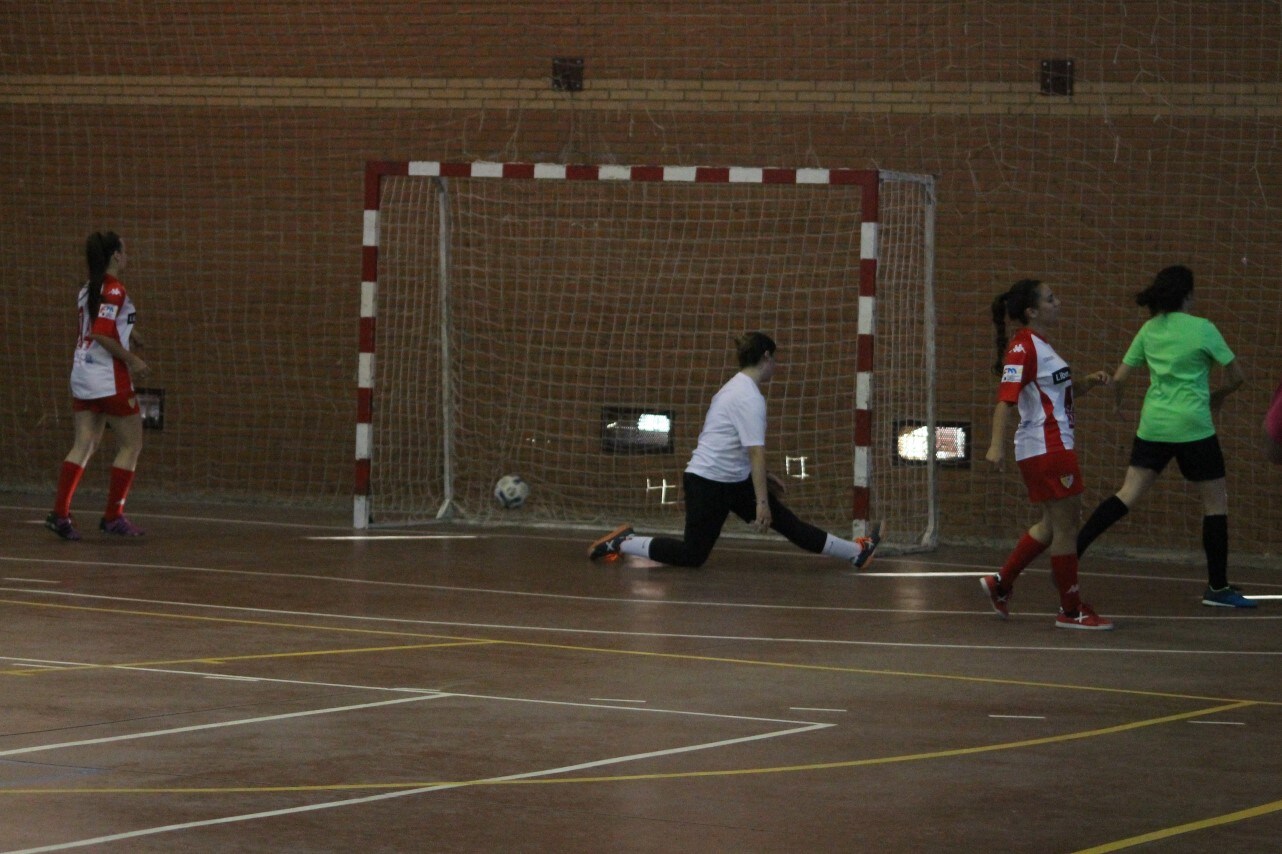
(1199, 461)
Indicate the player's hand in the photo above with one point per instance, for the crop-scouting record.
(763, 520)
(138, 369)
(997, 456)
(1099, 378)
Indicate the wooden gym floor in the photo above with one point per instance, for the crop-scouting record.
(241, 680)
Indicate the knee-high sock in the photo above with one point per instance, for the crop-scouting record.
(1064, 572)
(1215, 540)
(1025, 551)
(117, 492)
(68, 479)
(1110, 511)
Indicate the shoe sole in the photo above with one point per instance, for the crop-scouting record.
(592, 555)
(1210, 604)
(983, 582)
(1084, 628)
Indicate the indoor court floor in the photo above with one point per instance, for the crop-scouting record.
(250, 680)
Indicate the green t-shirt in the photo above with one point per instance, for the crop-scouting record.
(1179, 350)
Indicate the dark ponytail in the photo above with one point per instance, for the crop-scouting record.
(99, 248)
(1012, 305)
(1170, 288)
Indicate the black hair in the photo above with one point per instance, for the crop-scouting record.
(1170, 288)
(752, 346)
(1012, 305)
(99, 248)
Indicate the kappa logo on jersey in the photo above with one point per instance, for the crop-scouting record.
(107, 311)
(1062, 375)
(1018, 348)
(1012, 373)
(112, 291)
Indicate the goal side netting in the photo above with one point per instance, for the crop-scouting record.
(570, 325)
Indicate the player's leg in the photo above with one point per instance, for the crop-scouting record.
(88, 426)
(707, 506)
(1063, 515)
(1202, 463)
(128, 432)
(1147, 461)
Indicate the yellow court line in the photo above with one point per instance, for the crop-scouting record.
(1192, 826)
(224, 659)
(981, 680)
(673, 775)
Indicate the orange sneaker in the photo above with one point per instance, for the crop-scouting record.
(607, 547)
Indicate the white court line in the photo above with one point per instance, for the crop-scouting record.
(32, 580)
(455, 626)
(386, 796)
(367, 537)
(921, 574)
(614, 700)
(39, 748)
(1219, 723)
(1020, 717)
(813, 709)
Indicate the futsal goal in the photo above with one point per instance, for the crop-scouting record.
(571, 323)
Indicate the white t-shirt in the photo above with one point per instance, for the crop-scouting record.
(736, 421)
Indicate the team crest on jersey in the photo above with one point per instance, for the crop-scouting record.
(107, 311)
(1012, 373)
(1066, 480)
(1062, 375)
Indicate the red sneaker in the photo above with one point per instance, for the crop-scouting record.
(999, 598)
(1086, 618)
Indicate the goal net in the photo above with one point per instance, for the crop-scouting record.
(571, 324)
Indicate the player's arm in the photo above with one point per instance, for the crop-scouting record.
(1233, 380)
(137, 367)
(1098, 378)
(997, 444)
(1118, 383)
(760, 485)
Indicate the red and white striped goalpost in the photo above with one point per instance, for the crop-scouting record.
(866, 180)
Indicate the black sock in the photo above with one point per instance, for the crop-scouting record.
(1215, 540)
(1105, 515)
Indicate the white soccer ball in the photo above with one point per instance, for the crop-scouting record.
(511, 491)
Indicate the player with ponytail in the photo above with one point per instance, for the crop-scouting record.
(1177, 421)
(102, 374)
(1035, 379)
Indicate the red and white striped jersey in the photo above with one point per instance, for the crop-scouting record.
(1040, 383)
(96, 373)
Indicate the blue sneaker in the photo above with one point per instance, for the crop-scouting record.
(1226, 597)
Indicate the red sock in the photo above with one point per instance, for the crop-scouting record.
(68, 479)
(1025, 551)
(1064, 573)
(121, 480)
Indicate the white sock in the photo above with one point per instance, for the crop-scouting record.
(634, 545)
(841, 549)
